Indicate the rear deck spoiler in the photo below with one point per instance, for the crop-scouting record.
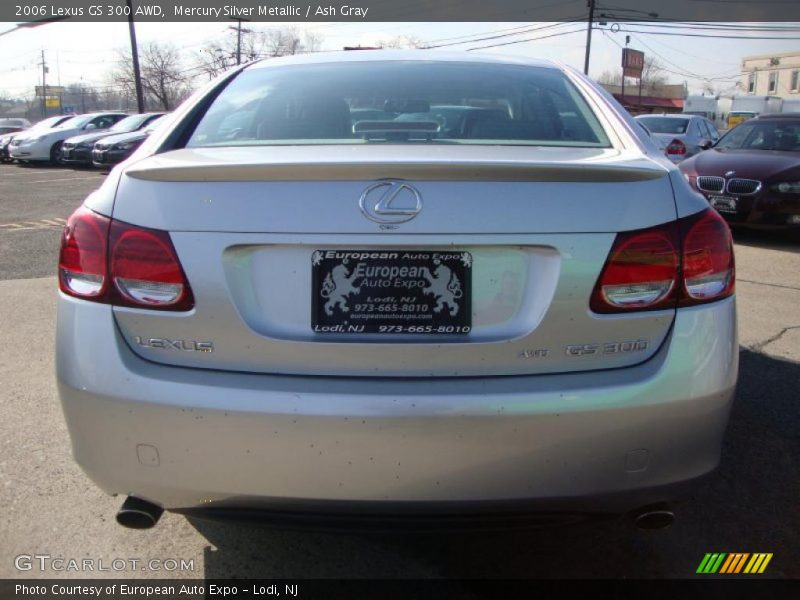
(361, 163)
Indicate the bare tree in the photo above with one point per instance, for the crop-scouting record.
(280, 42)
(609, 78)
(312, 41)
(653, 75)
(219, 55)
(288, 41)
(401, 41)
(164, 79)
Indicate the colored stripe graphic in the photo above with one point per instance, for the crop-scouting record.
(758, 563)
(733, 563)
(704, 563)
(716, 565)
(741, 563)
(731, 560)
(711, 562)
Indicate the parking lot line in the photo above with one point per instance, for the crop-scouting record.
(62, 179)
(56, 223)
(27, 173)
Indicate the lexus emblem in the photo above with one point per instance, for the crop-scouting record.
(390, 201)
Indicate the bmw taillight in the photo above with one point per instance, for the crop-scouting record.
(678, 264)
(676, 148)
(112, 262)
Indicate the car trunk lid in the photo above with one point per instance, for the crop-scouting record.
(526, 231)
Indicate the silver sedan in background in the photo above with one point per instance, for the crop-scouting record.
(396, 283)
(680, 136)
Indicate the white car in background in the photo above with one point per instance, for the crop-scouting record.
(7, 138)
(14, 122)
(45, 145)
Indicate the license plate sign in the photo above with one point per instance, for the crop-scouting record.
(391, 292)
(724, 204)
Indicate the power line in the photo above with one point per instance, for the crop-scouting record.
(505, 35)
(720, 37)
(732, 27)
(527, 40)
(527, 25)
(695, 57)
(723, 25)
(682, 73)
(642, 42)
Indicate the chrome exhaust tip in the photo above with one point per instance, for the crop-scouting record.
(136, 513)
(653, 517)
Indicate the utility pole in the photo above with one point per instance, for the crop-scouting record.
(590, 4)
(83, 96)
(622, 95)
(44, 86)
(137, 75)
(239, 43)
(239, 32)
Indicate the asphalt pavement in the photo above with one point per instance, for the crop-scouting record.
(50, 507)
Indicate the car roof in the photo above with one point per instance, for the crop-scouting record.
(780, 117)
(98, 113)
(673, 116)
(399, 55)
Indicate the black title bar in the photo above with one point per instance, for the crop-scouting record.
(737, 588)
(399, 11)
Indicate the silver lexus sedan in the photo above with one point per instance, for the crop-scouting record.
(396, 283)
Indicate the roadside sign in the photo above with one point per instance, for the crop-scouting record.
(632, 62)
(52, 90)
(53, 102)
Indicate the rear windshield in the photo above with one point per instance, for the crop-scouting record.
(399, 102)
(665, 124)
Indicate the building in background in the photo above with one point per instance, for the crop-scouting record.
(771, 75)
(664, 98)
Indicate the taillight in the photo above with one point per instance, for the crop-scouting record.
(682, 264)
(145, 268)
(640, 273)
(116, 263)
(82, 263)
(708, 263)
(676, 147)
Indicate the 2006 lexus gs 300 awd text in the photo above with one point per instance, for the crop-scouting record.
(396, 283)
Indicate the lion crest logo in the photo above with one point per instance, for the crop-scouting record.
(445, 288)
(336, 287)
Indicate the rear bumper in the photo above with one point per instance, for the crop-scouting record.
(187, 438)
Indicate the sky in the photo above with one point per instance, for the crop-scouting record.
(85, 52)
